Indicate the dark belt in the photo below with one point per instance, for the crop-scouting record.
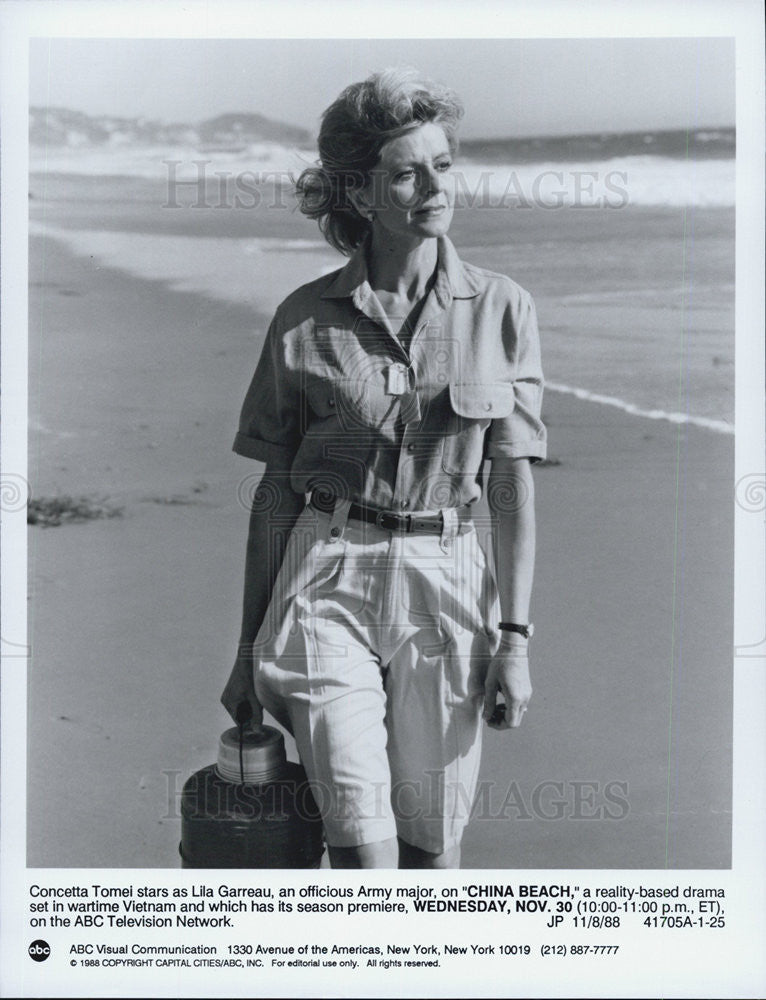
(389, 520)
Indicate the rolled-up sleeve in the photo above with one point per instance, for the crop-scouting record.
(269, 423)
(522, 434)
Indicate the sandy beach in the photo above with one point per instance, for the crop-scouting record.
(624, 758)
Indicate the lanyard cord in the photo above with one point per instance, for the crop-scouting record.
(243, 715)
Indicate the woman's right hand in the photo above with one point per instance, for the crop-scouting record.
(265, 551)
(239, 688)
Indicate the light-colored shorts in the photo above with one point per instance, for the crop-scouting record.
(373, 654)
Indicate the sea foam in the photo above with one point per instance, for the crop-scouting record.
(615, 182)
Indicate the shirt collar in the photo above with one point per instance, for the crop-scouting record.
(453, 279)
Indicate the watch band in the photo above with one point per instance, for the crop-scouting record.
(526, 630)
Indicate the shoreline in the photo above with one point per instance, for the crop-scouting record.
(621, 314)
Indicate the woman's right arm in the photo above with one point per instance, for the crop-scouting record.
(274, 512)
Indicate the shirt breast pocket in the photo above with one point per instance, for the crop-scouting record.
(473, 406)
(346, 399)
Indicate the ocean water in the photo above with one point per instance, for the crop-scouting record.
(633, 276)
(649, 168)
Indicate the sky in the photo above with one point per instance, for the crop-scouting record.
(522, 87)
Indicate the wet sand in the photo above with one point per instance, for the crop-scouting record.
(624, 758)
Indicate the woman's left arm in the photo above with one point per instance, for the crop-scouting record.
(511, 498)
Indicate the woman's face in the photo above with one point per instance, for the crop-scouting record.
(411, 190)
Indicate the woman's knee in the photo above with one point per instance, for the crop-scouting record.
(381, 854)
(415, 857)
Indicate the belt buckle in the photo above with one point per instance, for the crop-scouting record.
(389, 521)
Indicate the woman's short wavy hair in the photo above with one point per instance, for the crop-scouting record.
(354, 129)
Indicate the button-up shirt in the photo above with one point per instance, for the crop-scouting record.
(341, 402)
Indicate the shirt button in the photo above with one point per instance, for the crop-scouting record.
(411, 446)
(404, 504)
(334, 532)
(331, 401)
(488, 406)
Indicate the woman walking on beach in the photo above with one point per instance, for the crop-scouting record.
(374, 626)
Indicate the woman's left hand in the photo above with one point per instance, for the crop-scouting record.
(508, 674)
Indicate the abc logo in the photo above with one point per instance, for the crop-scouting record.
(39, 950)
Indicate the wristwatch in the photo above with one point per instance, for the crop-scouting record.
(526, 630)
